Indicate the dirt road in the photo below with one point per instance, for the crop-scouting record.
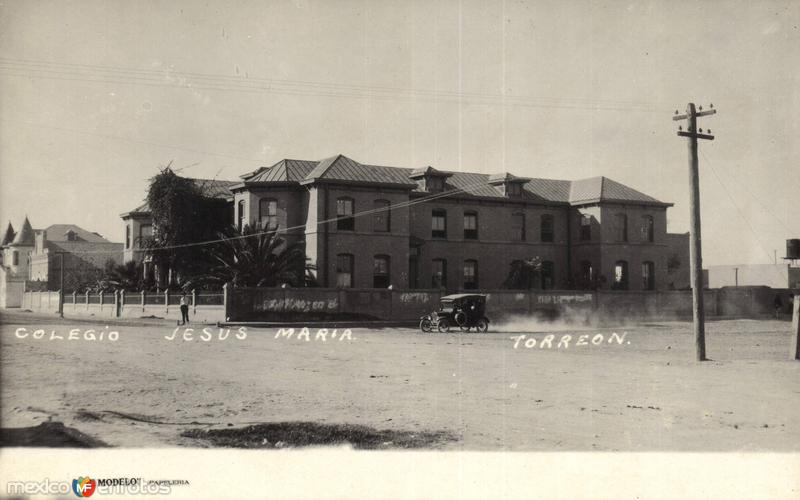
(641, 391)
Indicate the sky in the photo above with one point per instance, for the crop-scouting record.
(96, 97)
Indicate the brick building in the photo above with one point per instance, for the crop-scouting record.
(375, 226)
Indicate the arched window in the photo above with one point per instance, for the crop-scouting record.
(648, 228)
(344, 270)
(587, 274)
(518, 227)
(344, 214)
(439, 223)
(586, 227)
(471, 225)
(470, 274)
(621, 221)
(268, 213)
(620, 275)
(381, 271)
(381, 216)
(547, 229)
(648, 276)
(548, 275)
(240, 215)
(439, 273)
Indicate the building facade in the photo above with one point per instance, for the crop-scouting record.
(371, 226)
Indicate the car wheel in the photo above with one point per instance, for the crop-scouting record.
(425, 325)
(482, 325)
(444, 326)
(460, 318)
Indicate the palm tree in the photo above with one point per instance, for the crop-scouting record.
(251, 257)
(523, 274)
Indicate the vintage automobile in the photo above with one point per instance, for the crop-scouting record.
(464, 310)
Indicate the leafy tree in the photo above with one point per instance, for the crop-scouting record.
(251, 257)
(182, 215)
(523, 274)
(126, 276)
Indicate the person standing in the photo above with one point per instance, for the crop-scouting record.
(184, 310)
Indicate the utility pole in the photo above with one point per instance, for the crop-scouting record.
(61, 286)
(695, 240)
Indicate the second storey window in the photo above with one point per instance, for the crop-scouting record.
(439, 224)
(586, 228)
(470, 226)
(621, 221)
(518, 227)
(127, 236)
(15, 258)
(268, 214)
(240, 215)
(344, 270)
(547, 229)
(648, 229)
(381, 223)
(344, 215)
(145, 233)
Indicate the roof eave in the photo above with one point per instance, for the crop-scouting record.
(393, 185)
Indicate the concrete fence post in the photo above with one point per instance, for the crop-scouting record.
(226, 301)
(121, 303)
(166, 300)
(102, 300)
(74, 300)
(116, 303)
(795, 354)
(87, 300)
(143, 300)
(194, 301)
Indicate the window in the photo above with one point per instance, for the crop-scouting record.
(648, 276)
(548, 275)
(240, 215)
(518, 227)
(587, 274)
(344, 215)
(268, 214)
(15, 258)
(470, 226)
(381, 221)
(620, 275)
(470, 274)
(621, 227)
(439, 224)
(344, 270)
(72, 236)
(145, 230)
(586, 227)
(514, 189)
(127, 236)
(547, 228)
(380, 271)
(439, 273)
(648, 228)
(434, 184)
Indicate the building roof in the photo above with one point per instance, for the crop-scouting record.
(604, 189)
(58, 232)
(342, 168)
(213, 188)
(286, 170)
(25, 236)
(92, 252)
(8, 237)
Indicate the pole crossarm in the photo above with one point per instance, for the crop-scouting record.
(695, 135)
(697, 114)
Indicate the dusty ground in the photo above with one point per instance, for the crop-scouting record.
(645, 394)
